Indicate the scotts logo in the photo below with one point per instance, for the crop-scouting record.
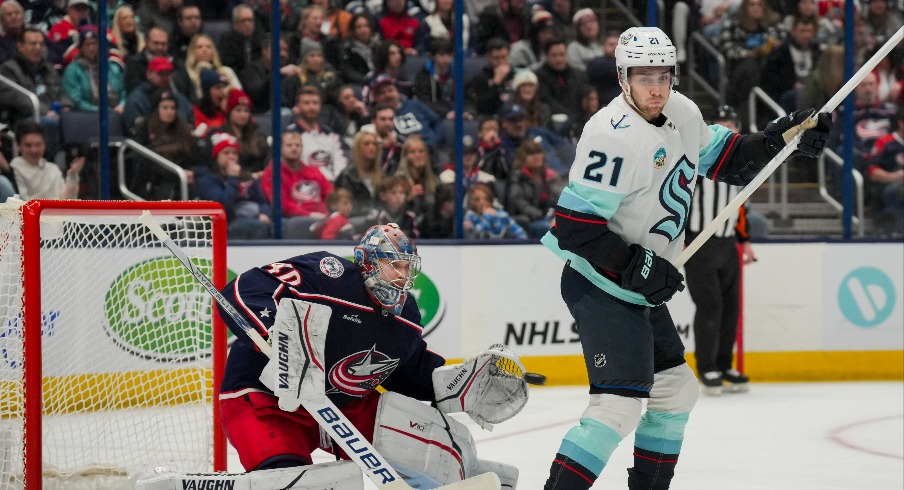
(157, 310)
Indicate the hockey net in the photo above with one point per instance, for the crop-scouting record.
(107, 350)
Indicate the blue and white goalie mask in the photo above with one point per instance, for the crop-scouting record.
(389, 263)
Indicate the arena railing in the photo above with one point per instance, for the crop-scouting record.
(35, 103)
(155, 159)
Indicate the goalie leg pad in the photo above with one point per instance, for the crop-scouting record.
(421, 443)
(327, 476)
(508, 474)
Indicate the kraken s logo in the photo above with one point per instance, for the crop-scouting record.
(675, 197)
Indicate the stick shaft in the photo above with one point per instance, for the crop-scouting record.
(764, 174)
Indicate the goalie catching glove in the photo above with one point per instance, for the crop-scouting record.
(489, 387)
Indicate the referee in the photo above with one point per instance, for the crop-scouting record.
(713, 277)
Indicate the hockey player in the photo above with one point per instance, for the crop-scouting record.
(372, 338)
(618, 224)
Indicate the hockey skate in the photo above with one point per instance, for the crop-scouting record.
(735, 381)
(712, 383)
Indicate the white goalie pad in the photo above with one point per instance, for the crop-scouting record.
(427, 448)
(326, 476)
(489, 387)
(298, 336)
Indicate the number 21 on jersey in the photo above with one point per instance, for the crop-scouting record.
(598, 169)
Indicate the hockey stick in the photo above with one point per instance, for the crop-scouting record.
(324, 411)
(764, 174)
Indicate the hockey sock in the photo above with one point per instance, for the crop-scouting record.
(582, 456)
(657, 444)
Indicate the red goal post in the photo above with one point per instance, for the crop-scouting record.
(131, 350)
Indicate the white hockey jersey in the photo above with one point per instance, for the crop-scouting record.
(640, 178)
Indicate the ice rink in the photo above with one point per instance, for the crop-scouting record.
(797, 436)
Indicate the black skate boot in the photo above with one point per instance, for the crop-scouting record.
(712, 383)
(736, 382)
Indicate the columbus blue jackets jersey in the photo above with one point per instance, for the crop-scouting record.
(364, 348)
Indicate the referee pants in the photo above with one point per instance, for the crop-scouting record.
(713, 280)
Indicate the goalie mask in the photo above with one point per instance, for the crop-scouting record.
(389, 264)
(644, 46)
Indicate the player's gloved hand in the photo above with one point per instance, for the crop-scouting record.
(781, 131)
(652, 276)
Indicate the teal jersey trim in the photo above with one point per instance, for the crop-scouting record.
(591, 200)
(709, 154)
(661, 432)
(590, 444)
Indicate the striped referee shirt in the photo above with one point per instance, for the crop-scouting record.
(710, 198)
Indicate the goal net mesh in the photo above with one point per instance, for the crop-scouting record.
(125, 345)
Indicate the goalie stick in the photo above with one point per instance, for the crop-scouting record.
(782, 155)
(324, 411)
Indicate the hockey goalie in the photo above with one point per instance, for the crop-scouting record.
(338, 329)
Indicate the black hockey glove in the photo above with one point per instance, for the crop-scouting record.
(652, 276)
(782, 130)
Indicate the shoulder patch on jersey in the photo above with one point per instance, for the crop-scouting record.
(331, 267)
(659, 159)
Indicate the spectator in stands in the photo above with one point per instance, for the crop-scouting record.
(533, 190)
(416, 168)
(411, 115)
(202, 55)
(827, 31)
(65, 32)
(12, 22)
(872, 120)
(827, 79)
(508, 20)
(335, 20)
(389, 59)
(529, 52)
(188, 25)
(589, 104)
(790, 65)
(471, 169)
(346, 114)
(241, 45)
(168, 135)
(246, 206)
(881, 22)
(696, 15)
(388, 139)
(303, 189)
(602, 72)
(30, 70)
(525, 94)
(397, 25)
(309, 27)
(81, 78)
(515, 131)
(434, 84)
(256, 78)
(156, 44)
(362, 178)
(158, 13)
(559, 84)
(392, 200)
(490, 153)
(440, 25)
(337, 226)
(890, 70)
(586, 44)
(253, 148)
(357, 51)
(129, 41)
(36, 177)
(208, 113)
(438, 221)
(483, 220)
(139, 102)
(313, 71)
(885, 172)
(7, 177)
(322, 146)
(492, 85)
(746, 40)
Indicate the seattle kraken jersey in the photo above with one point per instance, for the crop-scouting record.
(364, 348)
(640, 178)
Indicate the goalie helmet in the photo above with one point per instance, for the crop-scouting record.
(387, 246)
(644, 46)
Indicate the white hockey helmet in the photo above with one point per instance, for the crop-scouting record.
(388, 242)
(644, 46)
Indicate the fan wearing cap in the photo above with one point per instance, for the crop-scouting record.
(411, 115)
(139, 103)
(246, 206)
(515, 131)
(81, 78)
(208, 112)
(313, 70)
(253, 148)
(66, 30)
(525, 85)
(528, 52)
(586, 44)
(619, 225)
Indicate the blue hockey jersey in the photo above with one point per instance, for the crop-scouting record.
(364, 347)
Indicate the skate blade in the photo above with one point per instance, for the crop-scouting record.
(737, 388)
(712, 390)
